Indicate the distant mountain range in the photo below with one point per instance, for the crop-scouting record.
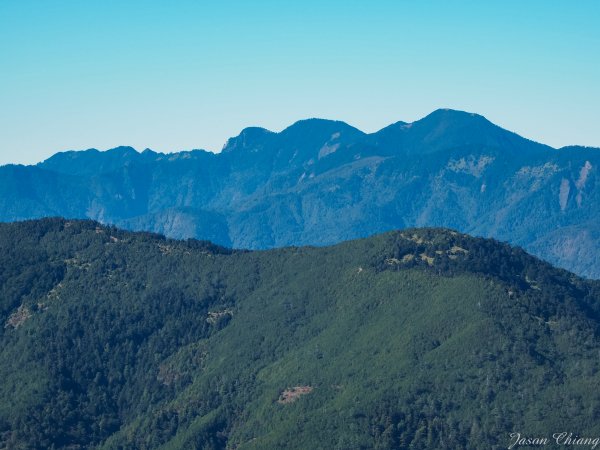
(420, 339)
(320, 182)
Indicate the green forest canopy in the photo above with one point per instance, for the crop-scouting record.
(422, 338)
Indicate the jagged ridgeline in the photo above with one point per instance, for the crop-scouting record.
(424, 338)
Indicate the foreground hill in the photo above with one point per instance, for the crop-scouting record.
(425, 338)
(320, 182)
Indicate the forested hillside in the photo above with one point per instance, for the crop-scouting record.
(425, 338)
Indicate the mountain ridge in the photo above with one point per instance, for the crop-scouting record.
(257, 130)
(318, 182)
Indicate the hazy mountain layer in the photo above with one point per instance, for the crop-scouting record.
(320, 182)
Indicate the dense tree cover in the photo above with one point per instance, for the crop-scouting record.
(424, 338)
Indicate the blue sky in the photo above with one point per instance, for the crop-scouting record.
(189, 74)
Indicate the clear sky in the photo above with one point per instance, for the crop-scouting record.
(173, 75)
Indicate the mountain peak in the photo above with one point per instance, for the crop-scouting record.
(123, 151)
(90, 161)
(319, 126)
(449, 112)
(451, 118)
(303, 138)
(448, 129)
(250, 138)
(149, 152)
